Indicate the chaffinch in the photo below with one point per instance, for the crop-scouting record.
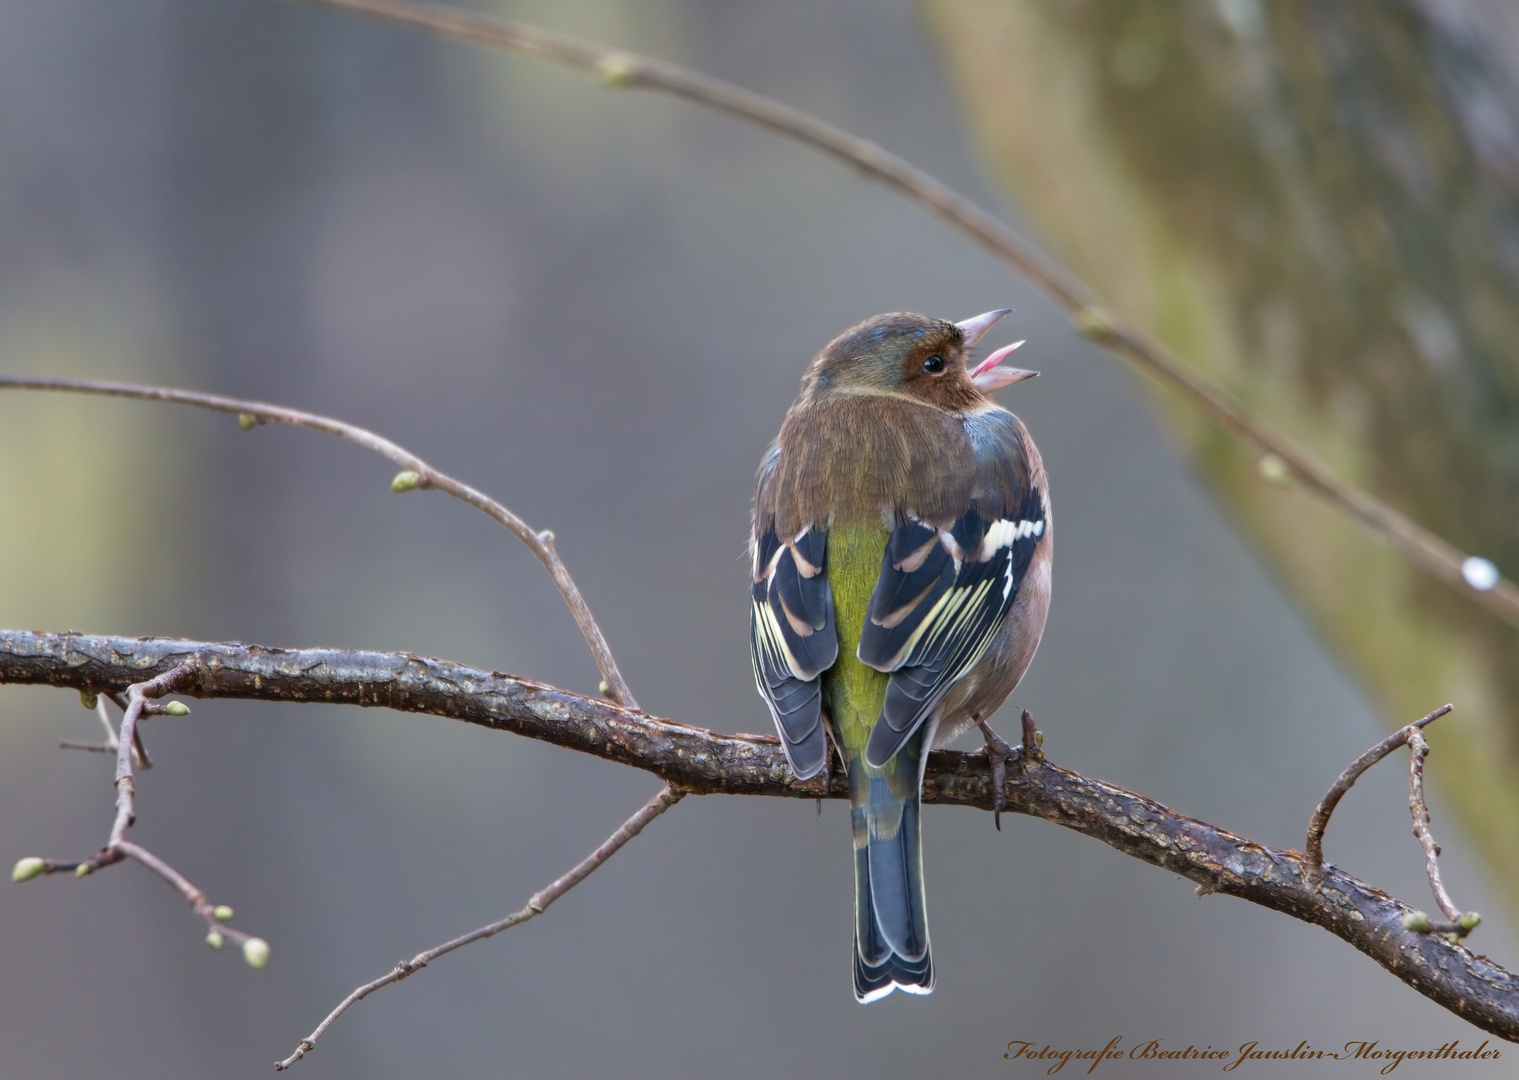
(901, 553)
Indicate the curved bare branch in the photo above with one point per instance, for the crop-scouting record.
(417, 474)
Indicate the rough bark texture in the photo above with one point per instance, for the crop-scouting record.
(699, 761)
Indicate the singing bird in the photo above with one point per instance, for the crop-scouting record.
(901, 555)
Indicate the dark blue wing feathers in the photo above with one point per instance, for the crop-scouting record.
(932, 616)
(901, 594)
(792, 641)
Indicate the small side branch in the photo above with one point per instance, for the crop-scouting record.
(96, 704)
(537, 904)
(140, 701)
(1458, 923)
(1343, 783)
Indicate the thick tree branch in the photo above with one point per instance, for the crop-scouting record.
(1421, 547)
(696, 760)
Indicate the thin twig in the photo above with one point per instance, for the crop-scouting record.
(94, 748)
(104, 716)
(697, 760)
(1420, 811)
(110, 746)
(138, 696)
(118, 848)
(1317, 824)
(139, 751)
(615, 67)
(425, 476)
(537, 904)
(1459, 923)
(116, 699)
(1030, 747)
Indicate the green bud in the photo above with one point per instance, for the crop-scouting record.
(27, 868)
(216, 940)
(1092, 322)
(1039, 739)
(177, 708)
(88, 700)
(1274, 470)
(1470, 921)
(222, 913)
(1417, 921)
(84, 869)
(617, 70)
(602, 688)
(256, 952)
(247, 421)
(406, 480)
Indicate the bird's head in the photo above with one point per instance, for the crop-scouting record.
(916, 356)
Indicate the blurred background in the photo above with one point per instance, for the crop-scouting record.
(596, 306)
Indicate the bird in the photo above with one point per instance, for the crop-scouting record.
(901, 551)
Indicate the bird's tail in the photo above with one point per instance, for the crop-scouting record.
(890, 922)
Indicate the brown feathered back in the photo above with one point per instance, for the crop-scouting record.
(850, 457)
(876, 432)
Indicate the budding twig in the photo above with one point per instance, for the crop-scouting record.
(537, 904)
(1420, 811)
(1458, 923)
(139, 701)
(417, 473)
(96, 704)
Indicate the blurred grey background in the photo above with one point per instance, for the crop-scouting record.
(595, 305)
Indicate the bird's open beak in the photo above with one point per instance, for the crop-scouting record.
(988, 377)
(975, 328)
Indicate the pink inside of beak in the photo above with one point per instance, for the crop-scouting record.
(995, 358)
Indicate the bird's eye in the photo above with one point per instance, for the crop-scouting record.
(934, 364)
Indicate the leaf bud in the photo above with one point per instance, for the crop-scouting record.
(617, 69)
(405, 480)
(1274, 470)
(256, 952)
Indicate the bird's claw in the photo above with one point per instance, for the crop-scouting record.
(999, 753)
